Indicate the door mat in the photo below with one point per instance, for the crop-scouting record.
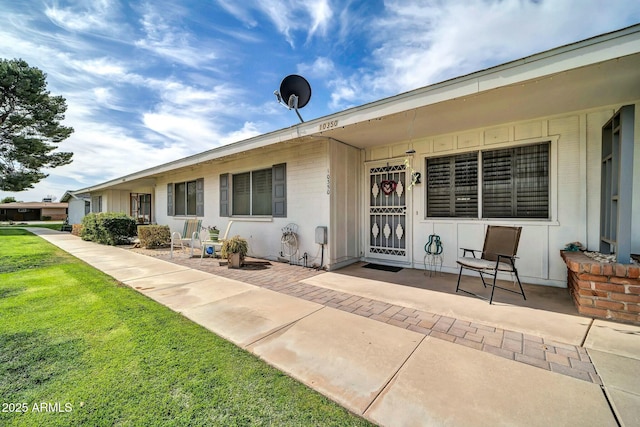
(383, 267)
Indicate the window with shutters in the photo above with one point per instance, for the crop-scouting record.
(515, 182)
(452, 186)
(186, 198)
(256, 193)
(505, 183)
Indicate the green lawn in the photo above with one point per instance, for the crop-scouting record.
(79, 348)
(54, 226)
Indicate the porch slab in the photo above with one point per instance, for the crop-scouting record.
(616, 338)
(344, 356)
(560, 327)
(443, 384)
(195, 294)
(249, 316)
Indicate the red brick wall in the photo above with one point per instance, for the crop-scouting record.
(604, 290)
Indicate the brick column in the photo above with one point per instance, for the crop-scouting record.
(604, 290)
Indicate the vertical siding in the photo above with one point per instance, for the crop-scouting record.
(344, 185)
(575, 191)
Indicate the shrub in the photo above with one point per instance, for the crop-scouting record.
(76, 229)
(45, 218)
(108, 228)
(154, 236)
(236, 244)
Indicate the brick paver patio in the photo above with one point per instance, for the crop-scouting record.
(546, 354)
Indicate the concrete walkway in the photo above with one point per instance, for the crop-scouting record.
(391, 369)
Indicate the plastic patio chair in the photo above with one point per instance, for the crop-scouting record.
(190, 233)
(498, 255)
(216, 244)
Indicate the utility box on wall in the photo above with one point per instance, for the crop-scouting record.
(321, 235)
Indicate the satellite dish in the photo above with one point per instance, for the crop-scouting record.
(295, 92)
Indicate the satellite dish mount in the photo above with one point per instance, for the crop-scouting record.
(294, 93)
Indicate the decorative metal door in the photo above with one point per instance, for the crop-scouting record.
(387, 213)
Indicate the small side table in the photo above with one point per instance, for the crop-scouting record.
(209, 244)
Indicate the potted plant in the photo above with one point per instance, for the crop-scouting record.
(214, 233)
(234, 250)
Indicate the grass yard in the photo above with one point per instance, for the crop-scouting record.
(54, 226)
(78, 348)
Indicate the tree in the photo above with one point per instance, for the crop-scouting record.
(29, 126)
(9, 199)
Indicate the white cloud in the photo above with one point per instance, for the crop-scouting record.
(321, 14)
(93, 16)
(419, 43)
(175, 43)
(321, 68)
(237, 10)
(288, 16)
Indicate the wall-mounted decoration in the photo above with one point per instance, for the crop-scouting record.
(388, 186)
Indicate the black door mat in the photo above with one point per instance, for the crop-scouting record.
(383, 267)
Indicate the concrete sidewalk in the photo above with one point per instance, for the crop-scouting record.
(393, 375)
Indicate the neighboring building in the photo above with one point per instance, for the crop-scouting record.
(79, 206)
(517, 144)
(33, 211)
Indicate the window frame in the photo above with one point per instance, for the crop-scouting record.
(252, 194)
(277, 196)
(551, 185)
(193, 207)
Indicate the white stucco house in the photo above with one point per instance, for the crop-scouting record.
(516, 144)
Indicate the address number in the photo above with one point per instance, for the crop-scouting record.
(328, 125)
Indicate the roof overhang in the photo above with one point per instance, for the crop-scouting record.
(604, 70)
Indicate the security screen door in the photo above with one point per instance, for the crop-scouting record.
(387, 207)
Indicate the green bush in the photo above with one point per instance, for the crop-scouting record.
(154, 236)
(108, 228)
(234, 245)
(76, 229)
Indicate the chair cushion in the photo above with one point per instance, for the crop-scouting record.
(483, 264)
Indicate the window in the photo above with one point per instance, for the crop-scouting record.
(96, 204)
(186, 198)
(514, 184)
(252, 193)
(256, 193)
(452, 186)
(616, 188)
(141, 207)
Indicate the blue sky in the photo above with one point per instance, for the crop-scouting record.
(148, 82)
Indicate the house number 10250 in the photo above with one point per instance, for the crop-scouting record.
(328, 125)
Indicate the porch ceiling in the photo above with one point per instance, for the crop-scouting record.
(607, 83)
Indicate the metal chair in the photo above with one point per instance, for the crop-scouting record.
(498, 255)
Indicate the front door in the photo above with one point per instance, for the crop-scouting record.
(387, 219)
